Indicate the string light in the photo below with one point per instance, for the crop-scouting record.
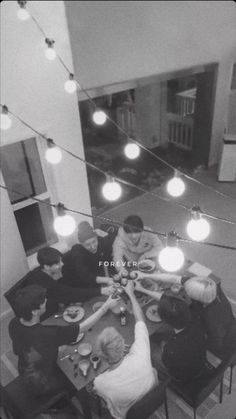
(198, 228)
(64, 224)
(22, 12)
(6, 121)
(175, 186)
(99, 117)
(132, 151)
(111, 189)
(70, 85)
(171, 258)
(50, 52)
(53, 154)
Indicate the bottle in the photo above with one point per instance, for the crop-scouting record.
(122, 316)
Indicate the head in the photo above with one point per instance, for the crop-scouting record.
(30, 302)
(133, 227)
(111, 345)
(174, 312)
(201, 288)
(50, 260)
(87, 237)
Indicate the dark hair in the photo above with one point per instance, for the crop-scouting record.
(48, 256)
(133, 224)
(28, 299)
(174, 312)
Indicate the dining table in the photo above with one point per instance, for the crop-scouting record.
(69, 357)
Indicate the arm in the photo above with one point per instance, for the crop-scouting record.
(164, 277)
(118, 253)
(153, 294)
(137, 311)
(155, 247)
(90, 321)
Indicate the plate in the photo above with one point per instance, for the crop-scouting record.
(97, 305)
(149, 284)
(80, 337)
(152, 314)
(73, 314)
(85, 349)
(146, 265)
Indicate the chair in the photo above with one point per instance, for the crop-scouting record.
(18, 403)
(195, 392)
(149, 403)
(9, 295)
(221, 356)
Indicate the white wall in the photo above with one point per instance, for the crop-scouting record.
(32, 87)
(124, 40)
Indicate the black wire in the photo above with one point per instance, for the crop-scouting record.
(119, 223)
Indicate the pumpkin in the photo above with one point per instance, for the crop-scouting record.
(201, 288)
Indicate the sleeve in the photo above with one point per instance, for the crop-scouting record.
(65, 294)
(84, 277)
(118, 252)
(141, 345)
(155, 243)
(67, 334)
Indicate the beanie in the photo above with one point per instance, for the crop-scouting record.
(85, 231)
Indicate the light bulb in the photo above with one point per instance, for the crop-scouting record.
(198, 229)
(132, 150)
(23, 14)
(50, 52)
(99, 117)
(70, 85)
(171, 259)
(175, 186)
(53, 155)
(111, 190)
(64, 225)
(6, 121)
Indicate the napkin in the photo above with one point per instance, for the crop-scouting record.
(199, 270)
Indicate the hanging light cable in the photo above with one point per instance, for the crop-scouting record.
(6, 121)
(22, 12)
(171, 258)
(198, 228)
(50, 52)
(53, 154)
(64, 224)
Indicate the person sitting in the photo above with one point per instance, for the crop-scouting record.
(134, 244)
(48, 275)
(84, 262)
(129, 376)
(184, 353)
(36, 345)
(215, 311)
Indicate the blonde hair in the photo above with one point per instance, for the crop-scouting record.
(111, 345)
(201, 288)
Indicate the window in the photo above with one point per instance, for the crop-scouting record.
(23, 172)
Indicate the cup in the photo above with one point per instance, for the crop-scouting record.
(84, 366)
(95, 360)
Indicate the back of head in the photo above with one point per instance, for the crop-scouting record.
(28, 299)
(133, 224)
(201, 288)
(111, 345)
(174, 312)
(85, 231)
(48, 256)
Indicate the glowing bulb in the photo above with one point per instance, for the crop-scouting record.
(53, 155)
(171, 259)
(50, 52)
(111, 190)
(198, 228)
(23, 14)
(99, 117)
(64, 225)
(132, 151)
(70, 85)
(175, 187)
(6, 121)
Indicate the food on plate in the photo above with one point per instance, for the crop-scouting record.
(146, 265)
(148, 284)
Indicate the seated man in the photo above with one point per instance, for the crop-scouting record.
(48, 275)
(84, 263)
(184, 353)
(37, 345)
(131, 376)
(133, 243)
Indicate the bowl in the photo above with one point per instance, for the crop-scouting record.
(85, 349)
(146, 265)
